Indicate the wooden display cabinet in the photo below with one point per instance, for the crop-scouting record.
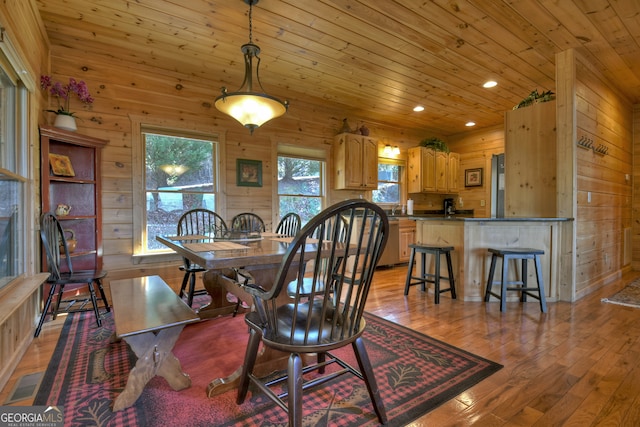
(71, 176)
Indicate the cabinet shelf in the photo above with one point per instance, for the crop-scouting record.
(53, 178)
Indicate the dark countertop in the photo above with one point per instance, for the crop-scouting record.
(470, 219)
(463, 215)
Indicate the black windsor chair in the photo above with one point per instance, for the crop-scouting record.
(326, 319)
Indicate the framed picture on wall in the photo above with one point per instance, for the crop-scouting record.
(473, 177)
(248, 173)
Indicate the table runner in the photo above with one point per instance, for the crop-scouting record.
(214, 246)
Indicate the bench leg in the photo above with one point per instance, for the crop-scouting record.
(154, 358)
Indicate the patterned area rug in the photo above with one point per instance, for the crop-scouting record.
(415, 374)
(629, 296)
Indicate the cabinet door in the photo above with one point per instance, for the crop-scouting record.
(407, 237)
(354, 163)
(369, 163)
(428, 170)
(454, 172)
(414, 174)
(442, 160)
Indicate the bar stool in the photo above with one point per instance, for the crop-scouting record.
(523, 254)
(434, 277)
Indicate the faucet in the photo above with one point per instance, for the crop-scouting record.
(393, 210)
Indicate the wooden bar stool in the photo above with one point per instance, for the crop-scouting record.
(434, 277)
(523, 254)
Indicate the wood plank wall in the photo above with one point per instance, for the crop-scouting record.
(606, 117)
(124, 88)
(476, 150)
(24, 41)
(635, 256)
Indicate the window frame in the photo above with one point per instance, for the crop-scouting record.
(303, 153)
(141, 125)
(14, 166)
(402, 191)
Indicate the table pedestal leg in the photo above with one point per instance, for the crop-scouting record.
(268, 359)
(154, 358)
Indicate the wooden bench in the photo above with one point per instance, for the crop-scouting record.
(149, 316)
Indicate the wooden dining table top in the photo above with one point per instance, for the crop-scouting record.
(218, 254)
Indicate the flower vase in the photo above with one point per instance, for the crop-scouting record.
(65, 121)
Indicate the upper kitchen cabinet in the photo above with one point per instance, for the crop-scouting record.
(530, 161)
(356, 162)
(421, 170)
(432, 171)
(453, 184)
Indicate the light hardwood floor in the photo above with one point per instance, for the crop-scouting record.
(577, 365)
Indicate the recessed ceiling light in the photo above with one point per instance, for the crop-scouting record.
(490, 83)
(469, 124)
(418, 108)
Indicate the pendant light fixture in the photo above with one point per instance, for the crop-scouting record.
(251, 108)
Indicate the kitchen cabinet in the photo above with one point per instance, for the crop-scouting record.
(355, 162)
(453, 183)
(432, 171)
(70, 176)
(421, 170)
(407, 230)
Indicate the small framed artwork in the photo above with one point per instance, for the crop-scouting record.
(61, 165)
(248, 173)
(473, 177)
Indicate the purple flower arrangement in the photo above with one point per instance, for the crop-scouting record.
(64, 93)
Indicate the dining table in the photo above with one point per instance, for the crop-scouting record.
(229, 262)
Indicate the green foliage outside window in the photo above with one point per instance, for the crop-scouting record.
(300, 187)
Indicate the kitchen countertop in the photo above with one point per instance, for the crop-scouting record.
(423, 217)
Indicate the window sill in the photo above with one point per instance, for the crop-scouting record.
(156, 258)
(16, 293)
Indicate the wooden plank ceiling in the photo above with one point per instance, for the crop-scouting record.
(376, 58)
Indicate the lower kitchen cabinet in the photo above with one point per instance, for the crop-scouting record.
(407, 230)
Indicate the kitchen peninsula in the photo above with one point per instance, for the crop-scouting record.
(471, 237)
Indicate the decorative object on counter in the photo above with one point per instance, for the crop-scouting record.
(63, 210)
(249, 107)
(65, 118)
(435, 144)
(535, 97)
(364, 130)
(248, 173)
(345, 127)
(61, 165)
(473, 177)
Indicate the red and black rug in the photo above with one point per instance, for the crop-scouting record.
(415, 374)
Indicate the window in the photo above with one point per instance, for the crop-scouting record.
(389, 183)
(180, 174)
(13, 175)
(300, 186)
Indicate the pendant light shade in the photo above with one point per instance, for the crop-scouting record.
(252, 109)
